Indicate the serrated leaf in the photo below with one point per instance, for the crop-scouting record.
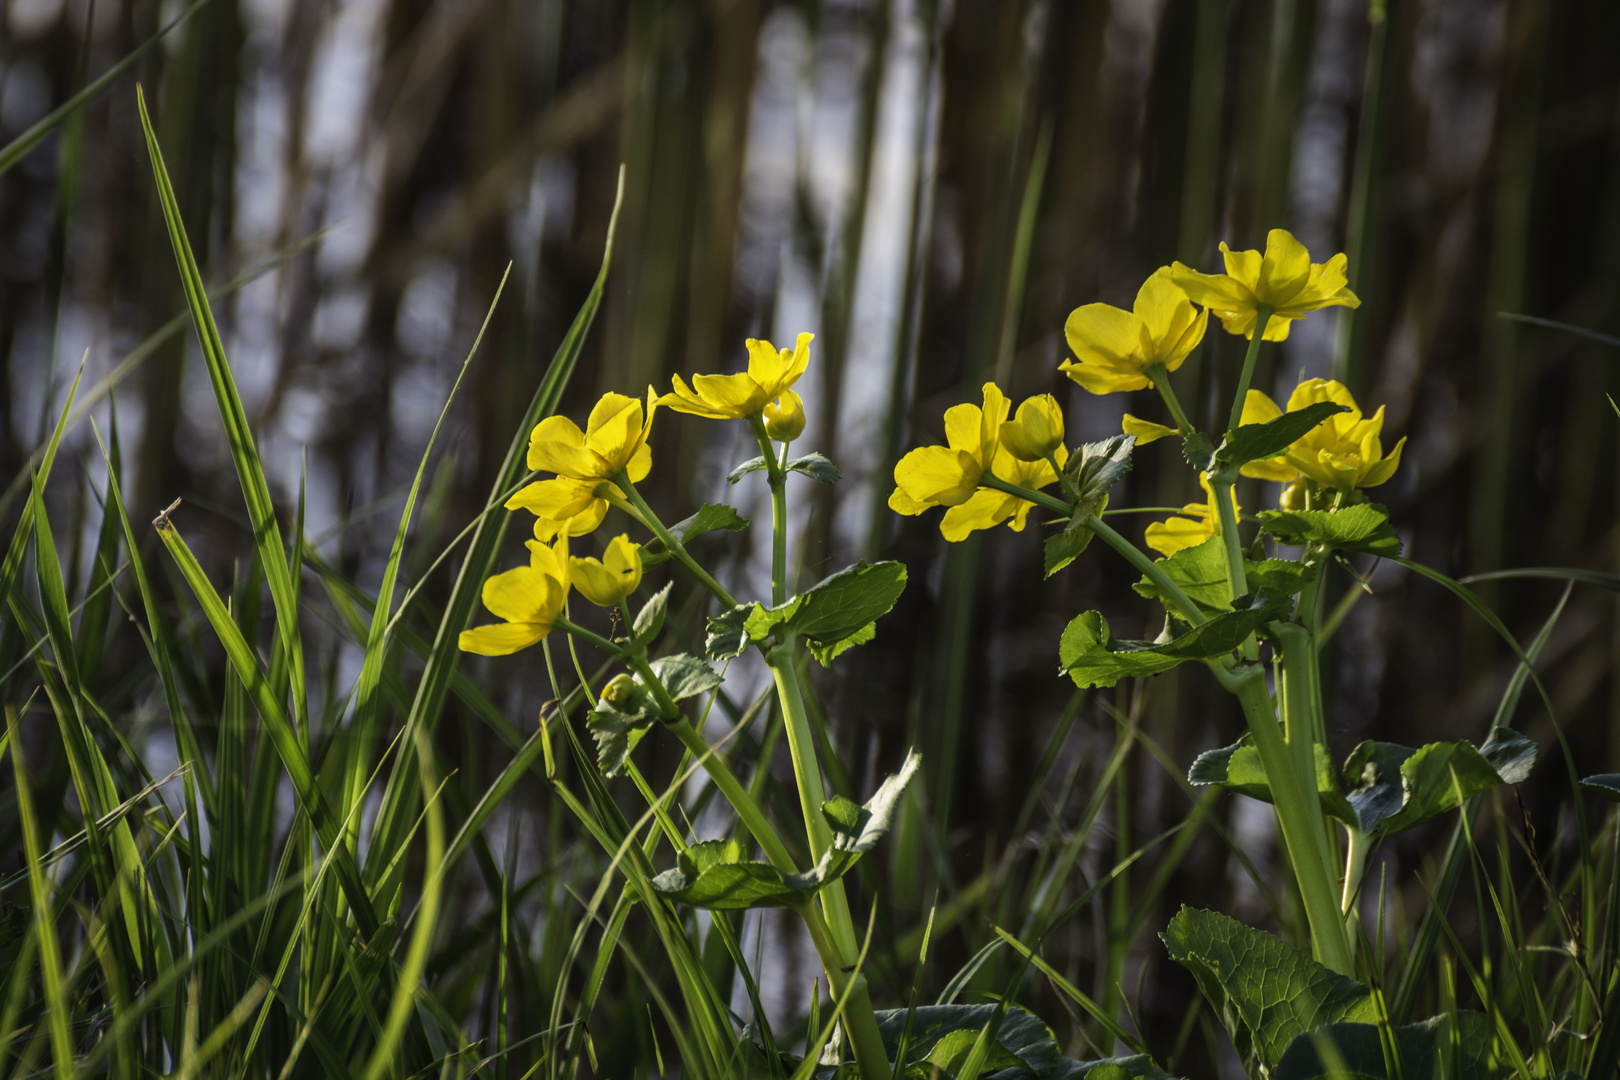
(1238, 767)
(616, 734)
(711, 517)
(1199, 570)
(1065, 547)
(834, 614)
(1266, 992)
(650, 619)
(816, 467)
(1095, 468)
(1603, 785)
(715, 876)
(1393, 787)
(1364, 527)
(751, 465)
(1093, 657)
(1198, 450)
(1259, 442)
(727, 638)
(825, 653)
(1283, 576)
(684, 676)
(1360, 1049)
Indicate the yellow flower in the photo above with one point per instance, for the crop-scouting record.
(529, 598)
(1196, 523)
(1145, 430)
(578, 504)
(1034, 431)
(1114, 348)
(614, 439)
(784, 417)
(1283, 277)
(1343, 452)
(949, 475)
(617, 575)
(731, 397)
(987, 508)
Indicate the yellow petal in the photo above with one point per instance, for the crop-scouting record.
(558, 499)
(640, 464)
(985, 510)
(686, 400)
(938, 476)
(730, 395)
(606, 582)
(1106, 335)
(557, 445)
(1035, 431)
(996, 408)
(1164, 309)
(1171, 535)
(901, 503)
(1243, 268)
(1275, 469)
(964, 427)
(784, 417)
(502, 639)
(1284, 270)
(614, 430)
(518, 595)
(1384, 469)
(1146, 431)
(1258, 408)
(547, 529)
(1101, 380)
(1218, 292)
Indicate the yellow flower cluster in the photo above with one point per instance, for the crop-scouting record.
(982, 442)
(1341, 453)
(589, 467)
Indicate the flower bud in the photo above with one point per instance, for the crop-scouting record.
(1035, 430)
(784, 417)
(1295, 496)
(622, 693)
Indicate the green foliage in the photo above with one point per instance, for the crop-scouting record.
(1266, 992)
(1458, 1045)
(816, 467)
(711, 517)
(1259, 442)
(1092, 656)
(1238, 768)
(941, 1036)
(1394, 787)
(1200, 572)
(832, 616)
(1362, 527)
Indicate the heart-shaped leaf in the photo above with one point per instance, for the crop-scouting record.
(1393, 787)
(1238, 767)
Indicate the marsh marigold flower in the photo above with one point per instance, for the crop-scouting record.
(1342, 452)
(579, 505)
(1195, 523)
(1114, 348)
(784, 417)
(606, 581)
(987, 507)
(529, 599)
(1283, 277)
(771, 372)
(614, 440)
(1035, 430)
(949, 475)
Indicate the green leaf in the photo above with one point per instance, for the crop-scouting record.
(1603, 785)
(1095, 468)
(1266, 992)
(650, 619)
(1364, 527)
(1259, 442)
(1394, 787)
(751, 465)
(684, 675)
(1198, 450)
(1065, 547)
(1360, 1050)
(816, 467)
(714, 875)
(1200, 571)
(825, 653)
(1238, 767)
(727, 633)
(942, 1035)
(1093, 657)
(709, 518)
(831, 616)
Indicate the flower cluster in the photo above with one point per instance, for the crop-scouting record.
(1117, 350)
(597, 468)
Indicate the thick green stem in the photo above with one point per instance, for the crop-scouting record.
(1161, 383)
(1262, 316)
(676, 548)
(1299, 710)
(1305, 849)
(1226, 515)
(776, 476)
(860, 1022)
(812, 793)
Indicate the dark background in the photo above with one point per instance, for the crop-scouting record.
(931, 188)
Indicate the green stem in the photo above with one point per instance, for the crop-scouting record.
(676, 548)
(860, 1022)
(590, 637)
(776, 476)
(1262, 316)
(1039, 498)
(1161, 383)
(1133, 555)
(1305, 849)
(1232, 543)
(1355, 865)
(812, 793)
(1068, 488)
